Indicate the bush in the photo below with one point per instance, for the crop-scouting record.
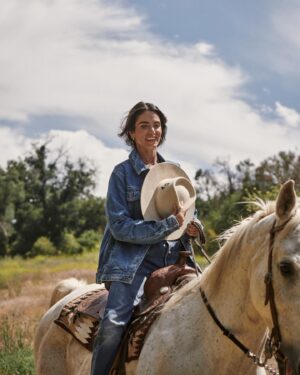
(70, 245)
(89, 240)
(43, 246)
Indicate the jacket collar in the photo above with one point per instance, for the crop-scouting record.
(138, 164)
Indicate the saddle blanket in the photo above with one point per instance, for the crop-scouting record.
(81, 316)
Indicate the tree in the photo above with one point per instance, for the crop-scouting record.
(225, 169)
(207, 184)
(223, 190)
(43, 197)
(245, 174)
(277, 169)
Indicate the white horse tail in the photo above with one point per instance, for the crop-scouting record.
(65, 287)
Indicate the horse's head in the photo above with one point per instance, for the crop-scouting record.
(280, 271)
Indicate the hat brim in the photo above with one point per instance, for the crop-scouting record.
(157, 173)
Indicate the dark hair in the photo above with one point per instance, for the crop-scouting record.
(128, 124)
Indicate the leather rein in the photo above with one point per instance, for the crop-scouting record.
(273, 342)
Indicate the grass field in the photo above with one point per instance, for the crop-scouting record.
(17, 270)
(25, 290)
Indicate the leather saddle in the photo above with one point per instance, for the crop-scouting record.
(82, 316)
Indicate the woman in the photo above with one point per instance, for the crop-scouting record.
(132, 248)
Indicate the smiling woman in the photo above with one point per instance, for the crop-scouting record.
(143, 117)
(147, 135)
(132, 246)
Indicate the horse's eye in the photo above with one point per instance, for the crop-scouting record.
(286, 268)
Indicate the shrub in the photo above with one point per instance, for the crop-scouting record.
(43, 246)
(70, 245)
(89, 239)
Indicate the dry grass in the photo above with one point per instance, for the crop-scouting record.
(22, 304)
(25, 290)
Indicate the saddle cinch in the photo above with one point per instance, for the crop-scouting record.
(82, 316)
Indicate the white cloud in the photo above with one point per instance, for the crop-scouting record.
(289, 116)
(205, 48)
(82, 145)
(75, 145)
(95, 59)
(12, 145)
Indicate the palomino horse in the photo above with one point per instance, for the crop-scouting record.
(186, 338)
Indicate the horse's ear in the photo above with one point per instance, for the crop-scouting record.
(286, 200)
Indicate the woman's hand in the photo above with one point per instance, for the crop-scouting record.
(192, 230)
(180, 215)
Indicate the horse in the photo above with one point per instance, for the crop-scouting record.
(251, 288)
(64, 287)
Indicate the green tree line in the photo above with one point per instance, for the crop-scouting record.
(226, 194)
(47, 205)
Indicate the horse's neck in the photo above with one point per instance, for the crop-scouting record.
(233, 305)
(192, 340)
(189, 329)
(231, 302)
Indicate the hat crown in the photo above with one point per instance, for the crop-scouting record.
(172, 194)
(166, 188)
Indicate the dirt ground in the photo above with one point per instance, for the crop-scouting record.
(23, 304)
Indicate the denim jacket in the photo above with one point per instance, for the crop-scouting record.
(127, 236)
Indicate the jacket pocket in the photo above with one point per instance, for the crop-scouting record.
(133, 193)
(133, 196)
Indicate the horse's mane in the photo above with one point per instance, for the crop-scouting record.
(231, 241)
(263, 209)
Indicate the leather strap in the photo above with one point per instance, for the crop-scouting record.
(275, 339)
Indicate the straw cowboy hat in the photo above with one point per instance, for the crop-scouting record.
(165, 189)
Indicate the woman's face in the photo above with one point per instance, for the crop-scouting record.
(147, 133)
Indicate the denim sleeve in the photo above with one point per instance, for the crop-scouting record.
(126, 229)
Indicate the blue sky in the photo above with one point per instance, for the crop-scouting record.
(244, 34)
(225, 73)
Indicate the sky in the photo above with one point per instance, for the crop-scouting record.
(224, 73)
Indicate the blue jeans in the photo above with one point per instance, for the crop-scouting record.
(122, 299)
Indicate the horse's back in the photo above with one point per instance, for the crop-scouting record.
(65, 287)
(51, 337)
